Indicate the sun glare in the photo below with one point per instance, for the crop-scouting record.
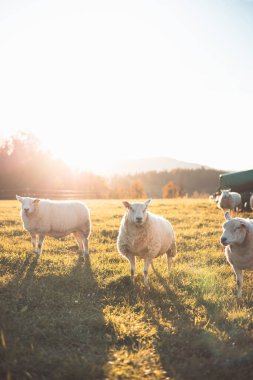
(115, 80)
(79, 152)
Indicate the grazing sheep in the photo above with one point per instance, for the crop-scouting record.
(237, 238)
(229, 200)
(145, 235)
(43, 217)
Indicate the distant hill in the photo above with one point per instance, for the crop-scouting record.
(125, 167)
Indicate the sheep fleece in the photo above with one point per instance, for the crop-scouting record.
(153, 239)
(58, 218)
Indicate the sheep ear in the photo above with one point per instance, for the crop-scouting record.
(36, 201)
(126, 204)
(227, 216)
(147, 202)
(243, 224)
(20, 199)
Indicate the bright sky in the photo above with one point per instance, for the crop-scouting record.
(97, 80)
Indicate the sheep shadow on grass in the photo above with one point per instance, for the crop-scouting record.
(52, 325)
(187, 349)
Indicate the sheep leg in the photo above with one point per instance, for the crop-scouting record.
(131, 259)
(169, 260)
(239, 281)
(86, 245)
(34, 242)
(40, 243)
(146, 265)
(170, 254)
(85, 236)
(79, 240)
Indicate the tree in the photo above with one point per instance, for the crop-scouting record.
(171, 190)
(137, 189)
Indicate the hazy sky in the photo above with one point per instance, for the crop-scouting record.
(102, 79)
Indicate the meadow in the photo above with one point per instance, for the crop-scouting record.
(63, 316)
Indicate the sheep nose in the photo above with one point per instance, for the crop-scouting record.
(223, 240)
(26, 209)
(138, 219)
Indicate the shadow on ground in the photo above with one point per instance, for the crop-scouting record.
(188, 350)
(52, 326)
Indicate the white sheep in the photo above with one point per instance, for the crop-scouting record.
(145, 235)
(43, 217)
(229, 200)
(237, 238)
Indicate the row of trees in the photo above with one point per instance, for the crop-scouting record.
(176, 183)
(24, 167)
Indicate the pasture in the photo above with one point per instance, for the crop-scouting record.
(63, 316)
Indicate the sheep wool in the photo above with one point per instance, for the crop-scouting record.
(229, 200)
(237, 238)
(43, 217)
(146, 235)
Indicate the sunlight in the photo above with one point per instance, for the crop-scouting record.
(79, 151)
(112, 80)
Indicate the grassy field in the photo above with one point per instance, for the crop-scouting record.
(66, 317)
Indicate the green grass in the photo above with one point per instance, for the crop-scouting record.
(66, 317)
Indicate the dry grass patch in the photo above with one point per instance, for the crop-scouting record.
(66, 317)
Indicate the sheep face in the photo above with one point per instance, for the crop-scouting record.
(234, 231)
(225, 194)
(137, 212)
(28, 204)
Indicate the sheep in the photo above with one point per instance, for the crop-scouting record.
(214, 197)
(251, 201)
(237, 238)
(146, 235)
(43, 217)
(229, 200)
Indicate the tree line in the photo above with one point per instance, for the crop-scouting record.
(26, 168)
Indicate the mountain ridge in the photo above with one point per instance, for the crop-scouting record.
(142, 165)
